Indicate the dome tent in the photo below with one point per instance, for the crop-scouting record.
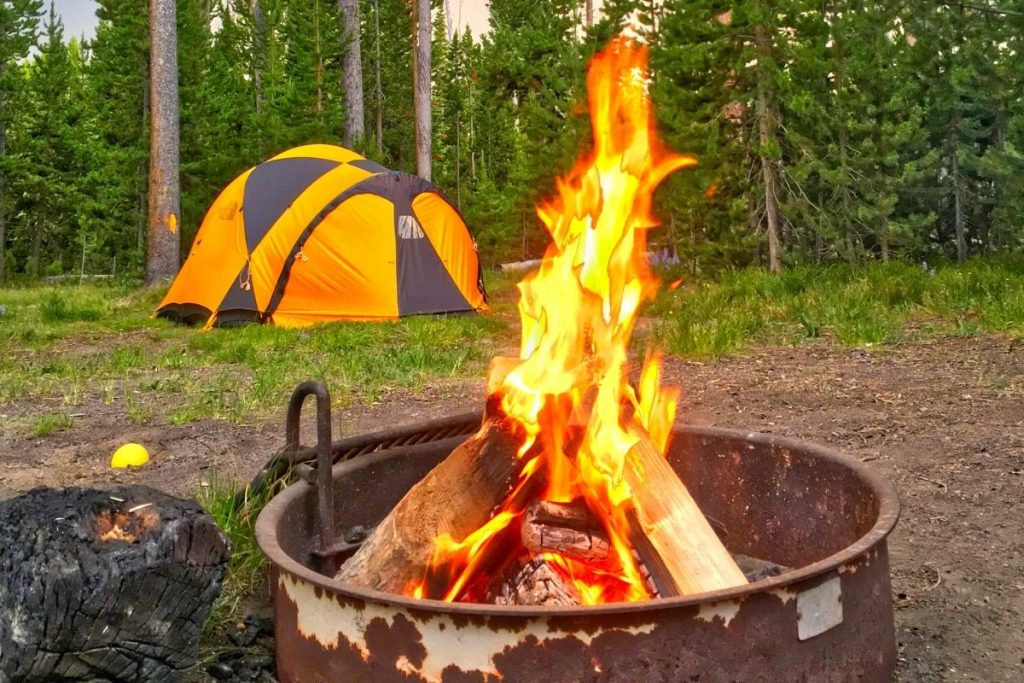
(319, 233)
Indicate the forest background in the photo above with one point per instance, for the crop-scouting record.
(827, 130)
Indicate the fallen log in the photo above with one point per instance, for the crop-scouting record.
(105, 585)
(670, 533)
(456, 498)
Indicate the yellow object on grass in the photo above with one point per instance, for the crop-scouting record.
(129, 455)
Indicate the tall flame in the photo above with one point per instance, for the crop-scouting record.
(570, 391)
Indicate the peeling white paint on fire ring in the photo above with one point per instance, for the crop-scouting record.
(725, 610)
(446, 643)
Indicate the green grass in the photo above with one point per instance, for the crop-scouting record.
(45, 425)
(882, 303)
(101, 339)
(99, 342)
(247, 563)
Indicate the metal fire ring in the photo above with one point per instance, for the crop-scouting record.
(828, 619)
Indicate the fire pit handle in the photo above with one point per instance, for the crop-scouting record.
(324, 483)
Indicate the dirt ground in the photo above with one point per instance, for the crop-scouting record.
(944, 420)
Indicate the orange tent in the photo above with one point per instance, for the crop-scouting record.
(319, 233)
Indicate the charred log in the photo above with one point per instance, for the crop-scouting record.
(567, 529)
(536, 583)
(105, 585)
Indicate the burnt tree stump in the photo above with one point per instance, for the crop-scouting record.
(105, 585)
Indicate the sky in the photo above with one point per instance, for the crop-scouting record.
(80, 16)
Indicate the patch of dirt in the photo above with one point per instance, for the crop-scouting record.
(944, 420)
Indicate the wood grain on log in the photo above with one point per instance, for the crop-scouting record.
(456, 498)
(567, 529)
(534, 582)
(105, 585)
(671, 535)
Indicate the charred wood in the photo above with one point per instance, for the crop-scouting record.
(105, 585)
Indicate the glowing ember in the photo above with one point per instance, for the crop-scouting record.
(570, 390)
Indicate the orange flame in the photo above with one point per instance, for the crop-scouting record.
(570, 391)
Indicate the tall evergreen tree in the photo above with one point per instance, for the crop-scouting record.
(46, 136)
(720, 81)
(19, 25)
(531, 77)
(112, 216)
(390, 81)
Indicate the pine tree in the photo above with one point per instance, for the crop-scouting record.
(954, 69)
(46, 136)
(112, 216)
(718, 84)
(389, 80)
(531, 75)
(19, 25)
(1002, 164)
(311, 106)
(855, 130)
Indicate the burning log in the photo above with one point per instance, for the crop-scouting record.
(105, 585)
(670, 533)
(455, 498)
(567, 529)
(536, 583)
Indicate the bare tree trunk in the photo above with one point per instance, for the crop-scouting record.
(318, 64)
(885, 241)
(589, 14)
(769, 172)
(163, 243)
(958, 203)
(458, 162)
(3, 180)
(140, 172)
(259, 26)
(421, 87)
(352, 75)
(37, 248)
(378, 90)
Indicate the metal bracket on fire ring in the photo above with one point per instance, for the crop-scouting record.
(324, 459)
(819, 609)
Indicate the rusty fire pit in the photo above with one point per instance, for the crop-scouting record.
(780, 500)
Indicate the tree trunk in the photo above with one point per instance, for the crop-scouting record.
(318, 65)
(352, 75)
(163, 243)
(960, 221)
(421, 87)
(589, 14)
(378, 90)
(3, 180)
(37, 248)
(259, 28)
(769, 172)
(885, 241)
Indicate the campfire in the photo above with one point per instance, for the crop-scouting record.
(570, 530)
(564, 496)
